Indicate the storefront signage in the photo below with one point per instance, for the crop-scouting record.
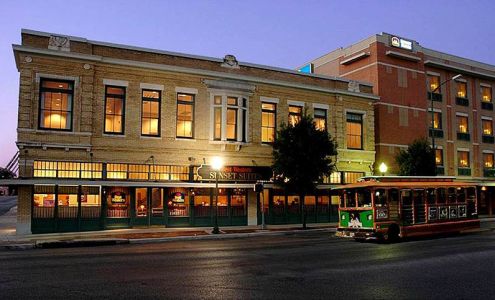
(178, 198)
(118, 197)
(401, 43)
(235, 173)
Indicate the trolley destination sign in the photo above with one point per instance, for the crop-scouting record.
(235, 173)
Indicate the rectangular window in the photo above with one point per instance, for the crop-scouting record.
(320, 119)
(114, 109)
(439, 157)
(268, 122)
(488, 160)
(150, 113)
(462, 124)
(434, 83)
(354, 131)
(461, 89)
(463, 159)
(486, 94)
(487, 127)
(56, 102)
(437, 120)
(230, 115)
(185, 115)
(295, 114)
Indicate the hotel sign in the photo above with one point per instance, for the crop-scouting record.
(401, 43)
(235, 173)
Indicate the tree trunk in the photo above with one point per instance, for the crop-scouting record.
(303, 211)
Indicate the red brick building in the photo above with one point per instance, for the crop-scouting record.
(404, 74)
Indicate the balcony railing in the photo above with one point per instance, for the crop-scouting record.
(435, 96)
(489, 139)
(486, 105)
(462, 101)
(489, 172)
(438, 133)
(462, 136)
(464, 171)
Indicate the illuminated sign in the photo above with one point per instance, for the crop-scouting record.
(235, 173)
(118, 197)
(401, 43)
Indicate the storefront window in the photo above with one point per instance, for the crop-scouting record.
(178, 203)
(323, 202)
(90, 202)
(156, 202)
(238, 202)
(310, 205)
(118, 203)
(141, 202)
(293, 204)
(43, 201)
(67, 202)
(202, 203)
(278, 208)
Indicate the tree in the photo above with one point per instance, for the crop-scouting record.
(417, 160)
(302, 157)
(6, 174)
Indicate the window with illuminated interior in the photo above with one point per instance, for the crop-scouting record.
(461, 89)
(56, 104)
(229, 117)
(354, 131)
(295, 114)
(150, 113)
(185, 115)
(487, 126)
(320, 119)
(488, 160)
(463, 159)
(268, 122)
(114, 109)
(486, 94)
(462, 124)
(434, 83)
(437, 120)
(439, 157)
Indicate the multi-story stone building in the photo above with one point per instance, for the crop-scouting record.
(114, 136)
(420, 96)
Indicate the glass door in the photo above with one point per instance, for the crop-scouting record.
(142, 207)
(157, 217)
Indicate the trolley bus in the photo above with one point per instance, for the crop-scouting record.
(395, 207)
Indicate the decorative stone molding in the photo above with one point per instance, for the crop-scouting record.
(353, 86)
(229, 61)
(28, 59)
(60, 43)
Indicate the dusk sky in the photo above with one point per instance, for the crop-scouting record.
(276, 33)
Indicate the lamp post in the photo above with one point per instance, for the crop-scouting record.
(433, 114)
(216, 165)
(383, 168)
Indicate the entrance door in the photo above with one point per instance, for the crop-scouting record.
(142, 207)
(156, 196)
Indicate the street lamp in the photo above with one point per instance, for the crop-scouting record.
(383, 168)
(216, 165)
(433, 114)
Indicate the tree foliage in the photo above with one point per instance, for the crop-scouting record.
(417, 160)
(302, 157)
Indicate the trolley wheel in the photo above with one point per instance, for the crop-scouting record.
(392, 234)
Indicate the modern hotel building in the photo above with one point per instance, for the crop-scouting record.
(422, 96)
(115, 136)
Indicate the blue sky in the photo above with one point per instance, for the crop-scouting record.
(277, 33)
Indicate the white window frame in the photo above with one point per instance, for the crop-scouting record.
(240, 118)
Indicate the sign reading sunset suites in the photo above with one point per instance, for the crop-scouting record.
(235, 173)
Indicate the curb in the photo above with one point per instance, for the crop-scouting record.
(112, 242)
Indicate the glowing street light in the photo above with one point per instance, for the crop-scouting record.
(383, 168)
(217, 163)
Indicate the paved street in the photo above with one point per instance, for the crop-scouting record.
(309, 265)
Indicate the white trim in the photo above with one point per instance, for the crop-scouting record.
(115, 82)
(450, 141)
(321, 106)
(463, 149)
(185, 139)
(485, 85)
(362, 112)
(486, 118)
(402, 56)
(57, 132)
(438, 147)
(476, 144)
(269, 99)
(461, 80)
(186, 90)
(53, 76)
(435, 110)
(461, 114)
(295, 103)
(152, 86)
(400, 106)
(392, 145)
(170, 68)
(432, 73)
(488, 151)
